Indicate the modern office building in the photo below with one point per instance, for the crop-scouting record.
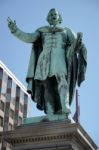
(13, 102)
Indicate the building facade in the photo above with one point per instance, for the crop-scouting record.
(13, 102)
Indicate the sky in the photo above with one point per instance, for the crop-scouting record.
(80, 16)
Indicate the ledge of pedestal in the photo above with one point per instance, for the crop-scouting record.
(49, 136)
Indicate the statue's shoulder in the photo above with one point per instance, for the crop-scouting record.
(43, 29)
(67, 29)
(70, 31)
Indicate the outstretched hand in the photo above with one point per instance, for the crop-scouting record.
(12, 25)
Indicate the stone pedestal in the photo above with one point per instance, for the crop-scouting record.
(52, 135)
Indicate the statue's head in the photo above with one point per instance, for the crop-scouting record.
(54, 17)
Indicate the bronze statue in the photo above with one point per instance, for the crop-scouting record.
(57, 63)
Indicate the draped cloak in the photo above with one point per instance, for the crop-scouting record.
(76, 67)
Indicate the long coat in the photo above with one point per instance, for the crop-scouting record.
(76, 63)
(76, 67)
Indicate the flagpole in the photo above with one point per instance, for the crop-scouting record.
(77, 108)
(76, 105)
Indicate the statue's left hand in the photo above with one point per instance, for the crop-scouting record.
(12, 25)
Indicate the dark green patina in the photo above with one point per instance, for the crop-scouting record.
(57, 63)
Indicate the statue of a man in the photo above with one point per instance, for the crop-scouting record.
(57, 63)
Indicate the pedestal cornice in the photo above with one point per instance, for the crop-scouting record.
(53, 134)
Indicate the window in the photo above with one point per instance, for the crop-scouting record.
(7, 110)
(17, 104)
(2, 105)
(1, 121)
(21, 107)
(8, 97)
(21, 95)
(11, 113)
(16, 119)
(13, 93)
(9, 84)
(3, 89)
(1, 73)
(5, 127)
(10, 126)
(25, 98)
(18, 91)
(20, 121)
(5, 77)
(0, 89)
(13, 100)
(4, 83)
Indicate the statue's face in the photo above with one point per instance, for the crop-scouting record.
(53, 17)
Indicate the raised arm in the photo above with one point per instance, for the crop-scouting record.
(26, 37)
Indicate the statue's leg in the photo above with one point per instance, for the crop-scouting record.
(63, 92)
(48, 95)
